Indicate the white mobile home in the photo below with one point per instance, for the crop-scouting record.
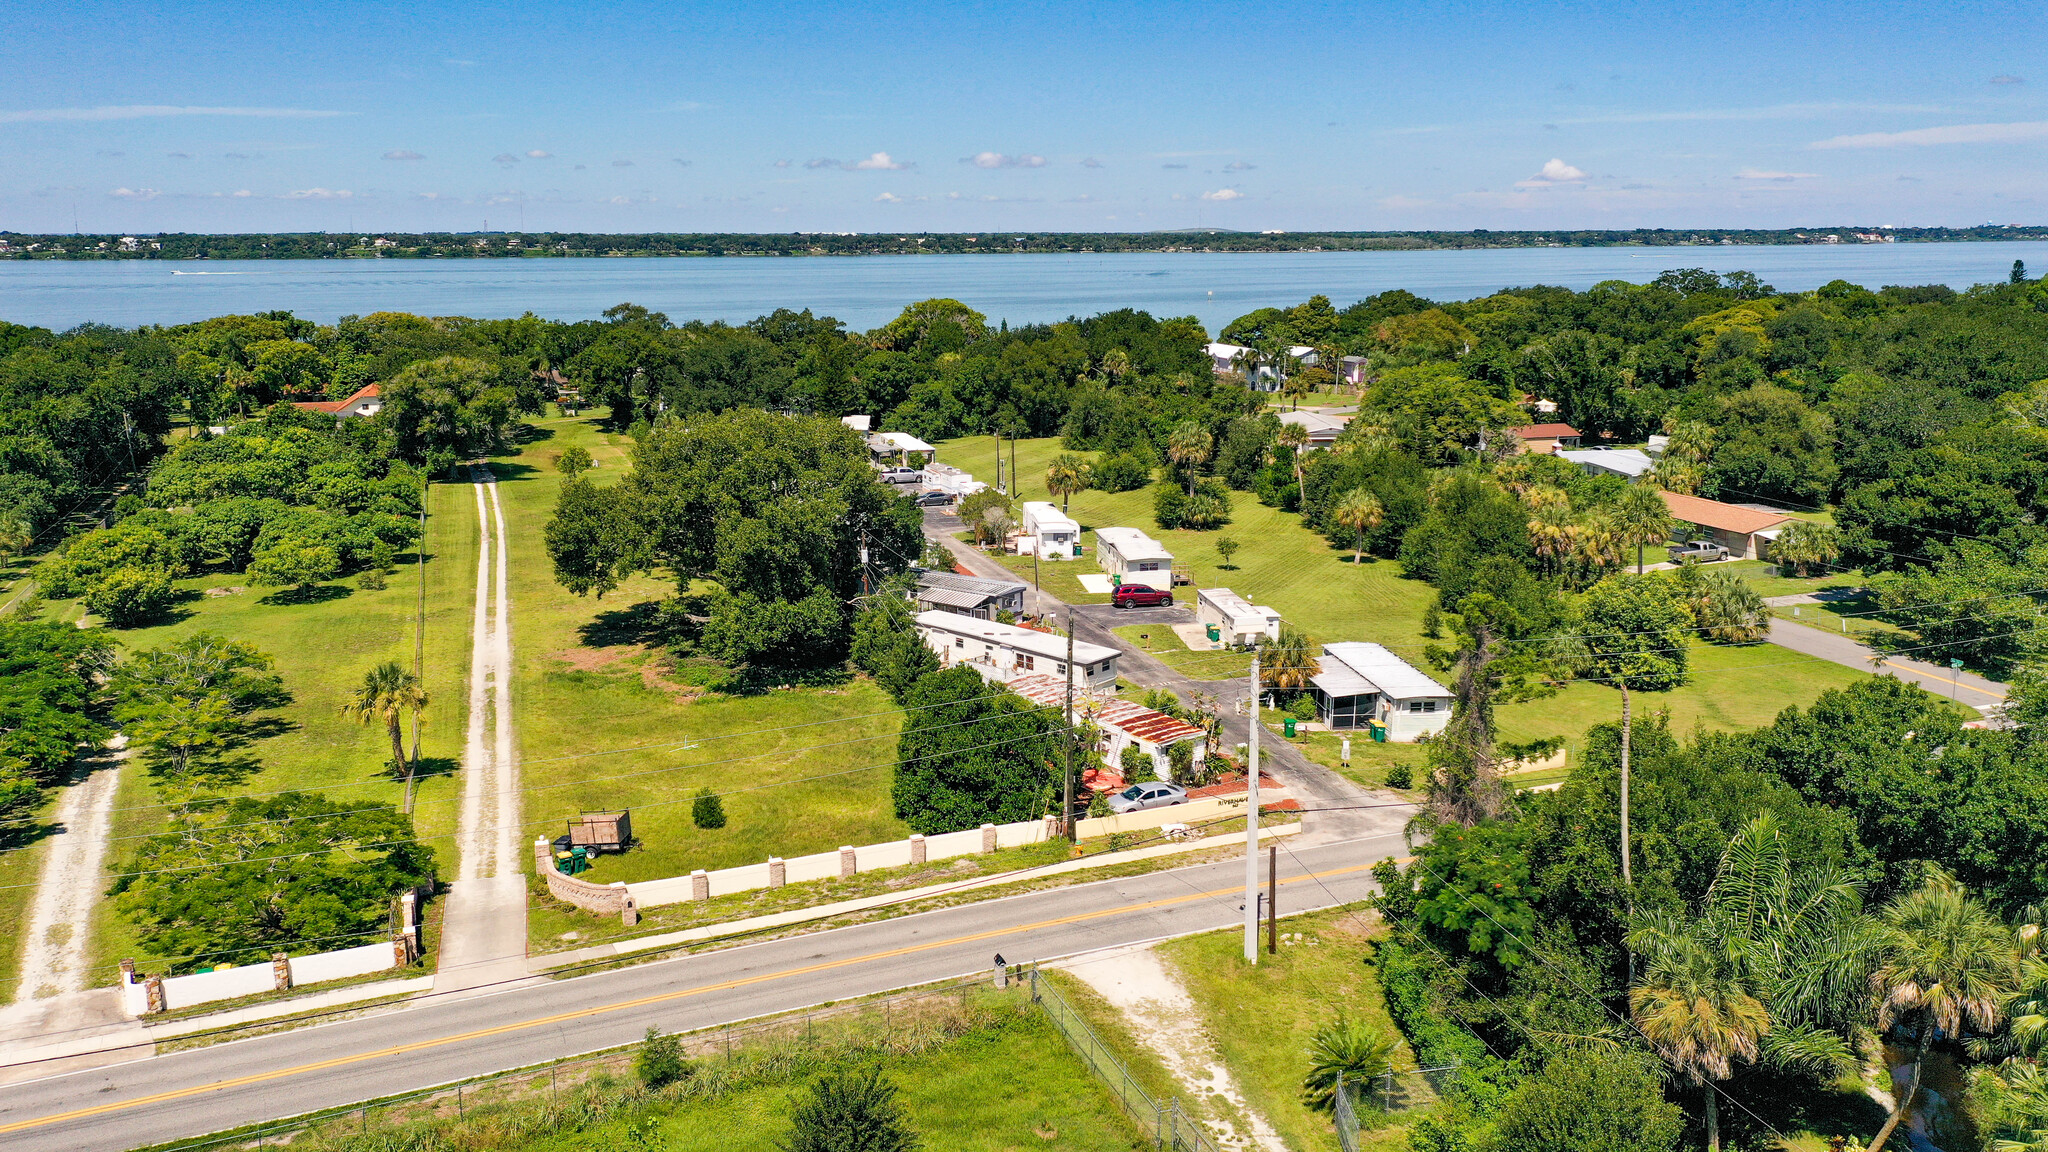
(967, 595)
(1365, 683)
(1136, 557)
(1055, 531)
(1123, 724)
(1238, 621)
(1003, 652)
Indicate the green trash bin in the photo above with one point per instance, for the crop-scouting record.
(1215, 633)
(1288, 726)
(1077, 549)
(1116, 581)
(1379, 732)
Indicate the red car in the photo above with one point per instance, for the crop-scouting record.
(1140, 596)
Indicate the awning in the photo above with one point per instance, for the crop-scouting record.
(953, 597)
(1340, 681)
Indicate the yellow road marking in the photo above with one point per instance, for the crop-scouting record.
(1944, 680)
(544, 1021)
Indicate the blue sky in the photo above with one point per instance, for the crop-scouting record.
(1136, 116)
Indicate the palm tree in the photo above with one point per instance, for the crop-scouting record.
(1289, 663)
(1188, 446)
(1066, 475)
(1805, 542)
(1552, 531)
(1331, 358)
(1349, 1051)
(1641, 517)
(1944, 963)
(1692, 1005)
(1361, 512)
(1246, 362)
(389, 693)
(1683, 467)
(1115, 365)
(1725, 607)
(1600, 545)
(1293, 436)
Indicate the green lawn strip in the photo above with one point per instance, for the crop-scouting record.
(1166, 646)
(1369, 761)
(604, 723)
(1537, 778)
(1263, 1018)
(1313, 584)
(23, 865)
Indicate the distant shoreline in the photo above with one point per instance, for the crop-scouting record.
(547, 245)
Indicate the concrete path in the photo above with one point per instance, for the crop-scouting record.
(437, 1039)
(483, 930)
(1963, 687)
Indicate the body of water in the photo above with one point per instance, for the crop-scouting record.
(866, 291)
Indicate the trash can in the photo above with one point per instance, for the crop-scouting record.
(1379, 732)
(1116, 581)
(1215, 633)
(1288, 726)
(1077, 549)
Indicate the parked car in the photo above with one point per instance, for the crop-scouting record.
(1139, 797)
(901, 475)
(1140, 596)
(934, 499)
(1701, 550)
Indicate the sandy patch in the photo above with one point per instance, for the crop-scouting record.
(1164, 1018)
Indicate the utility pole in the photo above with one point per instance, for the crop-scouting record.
(1273, 900)
(1067, 812)
(1251, 830)
(863, 561)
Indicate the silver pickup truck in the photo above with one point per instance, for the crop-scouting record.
(1703, 551)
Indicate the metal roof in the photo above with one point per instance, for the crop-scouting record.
(1134, 720)
(1375, 666)
(954, 597)
(988, 589)
(1036, 643)
(1132, 544)
(1627, 461)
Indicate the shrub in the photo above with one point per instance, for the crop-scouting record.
(127, 597)
(1180, 760)
(573, 462)
(707, 810)
(1400, 776)
(1344, 1048)
(1123, 472)
(1135, 766)
(1098, 804)
(849, 1112)
(660, 1062)
(370, 579)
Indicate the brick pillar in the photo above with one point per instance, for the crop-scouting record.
(127, 972)
(700, 885)
(778, 872)
(1051, 831)
(543, 857)
(847, 866)
(917, 848)
(401, 953)
(629, 915)
(988, 837)
(153, 988)
(280, 971)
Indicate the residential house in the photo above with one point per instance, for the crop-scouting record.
(1362, 684)
(900, 448)
(1322, 430)
(967, 595)
(1003, 652)
(364, 402)
(1352, 371)
(1055, 534)
(1134, 556)
(860, 424)
(1544, 439)
(1745, 532)
(1265, 377)
(1238, 621)
(1627, 463)
(950, 480)
(1123, 724)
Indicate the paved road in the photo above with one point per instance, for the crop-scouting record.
(1963, 687)
(442, 1038)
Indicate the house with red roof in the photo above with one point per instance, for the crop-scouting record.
(1746, 533)
(365, 402)
(1544, 439)
(1124, 724)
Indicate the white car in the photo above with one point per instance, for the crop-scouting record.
(900, 475)
(1138, 797)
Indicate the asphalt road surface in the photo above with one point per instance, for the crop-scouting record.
(439, 1039)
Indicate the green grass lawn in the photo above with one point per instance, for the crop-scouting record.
(1369, 761)
(1263, 1018)
(604, 722)
(24, 864)
(1314, 585)
(1165, 646)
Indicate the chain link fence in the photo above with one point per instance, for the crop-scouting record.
(1170, 1126)
(1384, 1093)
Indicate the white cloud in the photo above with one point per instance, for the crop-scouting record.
(403, 154)
(890, 198)
(1091, 162)
(135, 193)
(785, 164)
(537, 154)
(241, 193)
(999, 160)
(1950, 134)
(620, 200)
(878, 162)
(822, 162)
(1223, 194)
(505, 158)
(1777, 177)
(1238, 166)
(1554, 171)
(145, 111)
(319, 194)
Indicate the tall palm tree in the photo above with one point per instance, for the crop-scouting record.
(1188, 447)
(1115, 365)
(1288, 663)
(1691, 1004)
(1805, 542)
(1246, 362)
(1552, 531)
(1066, 475)
(389, 693)
(1946, 964)
(1293, 436)
(1641, 517)
(1600, 544)
(1361, 512)
(1331, 358)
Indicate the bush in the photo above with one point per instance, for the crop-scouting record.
(661, 1062)
(849, 1112)
(370, 580)
(1123, 472)
(1400, 776)
(1347, 1049)
(127, 597)
(707, 810)
(1098, 805)
(1135, 766)
(1169, 504)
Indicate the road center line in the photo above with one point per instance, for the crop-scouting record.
(641, 1002)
